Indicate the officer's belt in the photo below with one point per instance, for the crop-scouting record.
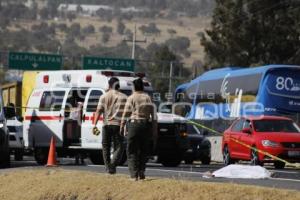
(139, 121)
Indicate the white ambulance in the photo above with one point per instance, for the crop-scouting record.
(48, 111)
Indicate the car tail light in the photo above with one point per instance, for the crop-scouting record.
(46, 79)
(88, 78)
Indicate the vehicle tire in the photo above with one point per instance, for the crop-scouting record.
(19, 155)
(189, 161)
(5, 158)
(205, 160)
(279, 165)
(170, 160)
(254, 158)
(41, 155)
(226, 156)
(96, 157)
(4, 151)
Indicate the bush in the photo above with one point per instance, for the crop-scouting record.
(106, 29)
(105, 37)
(90, 29)
(121, 27)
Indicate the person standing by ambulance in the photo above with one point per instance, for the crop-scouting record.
(140, 113)
(111, 105)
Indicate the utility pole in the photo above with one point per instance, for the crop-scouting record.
(134, 41)
(170, 77)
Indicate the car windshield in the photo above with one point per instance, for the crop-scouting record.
(276, 126)
(191, 129)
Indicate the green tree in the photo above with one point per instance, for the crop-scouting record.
(179, 45)
(105, 37)
(247, 32)
(89, 29)
(121, 27)
(159, 69)
(150, 29)
(106, 29)
(75, 30)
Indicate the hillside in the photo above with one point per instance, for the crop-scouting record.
(184, 27)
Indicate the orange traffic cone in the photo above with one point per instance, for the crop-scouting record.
(52, 154)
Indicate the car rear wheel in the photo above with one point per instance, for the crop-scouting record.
(19, 155)
(279, 165)
(254, 158)
(170, 160)
(205, 160)
(226, 156)
(5, 156)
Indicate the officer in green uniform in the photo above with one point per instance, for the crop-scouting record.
(140, 113)
(111, 105)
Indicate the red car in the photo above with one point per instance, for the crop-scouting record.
(279, 136)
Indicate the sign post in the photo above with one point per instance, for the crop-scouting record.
(89, 62)
(34, 61)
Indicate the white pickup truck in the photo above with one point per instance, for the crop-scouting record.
(4, 137)
(16, 144)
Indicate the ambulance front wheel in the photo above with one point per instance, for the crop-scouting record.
(41, 155)
(96, 157)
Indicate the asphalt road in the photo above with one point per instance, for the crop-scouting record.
(287, 178)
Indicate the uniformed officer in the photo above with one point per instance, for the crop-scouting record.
(140, 113)
(111, 105)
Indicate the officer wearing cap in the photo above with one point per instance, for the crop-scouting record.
(111, 105)
(140, 113)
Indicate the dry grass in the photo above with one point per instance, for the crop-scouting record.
(59, 184)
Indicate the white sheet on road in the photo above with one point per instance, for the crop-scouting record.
(242, 171)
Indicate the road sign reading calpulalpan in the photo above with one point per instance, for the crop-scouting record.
(89, 62)
(34, 61)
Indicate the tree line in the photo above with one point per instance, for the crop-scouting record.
(253, 32)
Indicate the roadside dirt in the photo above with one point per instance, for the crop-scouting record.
(58, 184)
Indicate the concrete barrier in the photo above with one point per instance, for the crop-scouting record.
(216, 148)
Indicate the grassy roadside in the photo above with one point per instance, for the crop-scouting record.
(60, 184)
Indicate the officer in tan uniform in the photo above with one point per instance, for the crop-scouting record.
(140, 113)
(111, 105)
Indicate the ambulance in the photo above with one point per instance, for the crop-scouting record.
(57, 93)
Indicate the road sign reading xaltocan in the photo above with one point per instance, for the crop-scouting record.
(89, 62)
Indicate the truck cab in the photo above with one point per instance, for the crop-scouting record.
(4, 136)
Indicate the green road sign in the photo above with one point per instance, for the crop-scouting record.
(34, 61)
(108, 63)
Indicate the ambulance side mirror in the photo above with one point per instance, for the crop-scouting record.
(9, 112)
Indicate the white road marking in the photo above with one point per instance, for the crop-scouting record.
(162, 170)
(285, 179)
(286, 172)
(201, 173)
(186, 172)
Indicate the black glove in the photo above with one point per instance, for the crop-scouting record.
(96, 131)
